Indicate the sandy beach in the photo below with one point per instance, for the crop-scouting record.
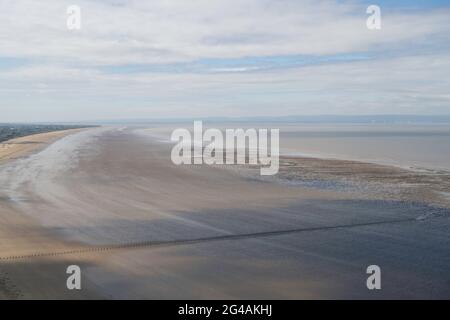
(110, 200)
(23, 146)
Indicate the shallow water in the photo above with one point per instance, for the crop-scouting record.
(416, 146)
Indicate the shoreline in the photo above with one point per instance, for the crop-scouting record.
(377, 181)
(376, 162)
(372, 180)
(22, 233)
(316, 172)
(289, 147)
(172, 226)
(25, 145)
(360, 179)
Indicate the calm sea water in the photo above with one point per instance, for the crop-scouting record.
(405, 145)
(413, 146)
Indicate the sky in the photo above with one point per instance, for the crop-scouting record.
(135, 59)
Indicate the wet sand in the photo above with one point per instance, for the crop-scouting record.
(363, 180)
(111, 201)
(20, 147)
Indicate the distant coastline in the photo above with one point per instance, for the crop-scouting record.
(12, 131)
(300, 119)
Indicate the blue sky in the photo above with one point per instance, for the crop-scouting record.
(244, 64)
(203, 58)
(409, 4)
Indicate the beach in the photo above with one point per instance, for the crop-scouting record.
(22, 146)
(110, 200)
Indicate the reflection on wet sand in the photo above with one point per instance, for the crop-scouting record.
(140, 227)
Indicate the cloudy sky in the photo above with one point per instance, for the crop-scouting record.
(199, 58)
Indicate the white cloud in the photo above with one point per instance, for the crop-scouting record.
(62, 78)
(158, 31)
(417, 84)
